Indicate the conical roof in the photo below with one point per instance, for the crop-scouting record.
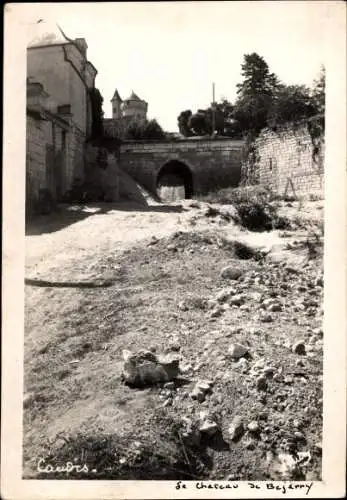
(116, 96)
(46, 33)
(133, 97)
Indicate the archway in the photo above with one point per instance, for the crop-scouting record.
(174, 181)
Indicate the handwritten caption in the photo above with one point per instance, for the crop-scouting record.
(304, 487)
(268, 485)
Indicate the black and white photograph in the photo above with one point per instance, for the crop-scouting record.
(175, 241)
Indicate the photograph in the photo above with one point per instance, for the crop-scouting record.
(174, 250)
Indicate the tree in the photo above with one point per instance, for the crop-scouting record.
(255, 94)
(183, 120)
(318, 92)
(291, 103)
(200, 123)
(96, 101)
(149, 129)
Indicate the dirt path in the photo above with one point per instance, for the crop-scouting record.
(76, 326)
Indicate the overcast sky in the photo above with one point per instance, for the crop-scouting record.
(170, 53)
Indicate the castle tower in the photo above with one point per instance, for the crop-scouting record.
(116, 105)
(135, 107)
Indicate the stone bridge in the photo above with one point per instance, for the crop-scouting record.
(189, 166)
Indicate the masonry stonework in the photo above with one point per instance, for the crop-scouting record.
(213, 163)
(290, 162)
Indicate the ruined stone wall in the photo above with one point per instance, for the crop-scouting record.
(35, 160)
(213, 163)
(290, 161)
(76, 148)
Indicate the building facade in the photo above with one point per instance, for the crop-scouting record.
(59, 110)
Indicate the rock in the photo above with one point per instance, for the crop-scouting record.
(277, 307)
(253, 426)
(186, 368)
(169, 385)
(174, 343)
(243, 365)
(255, 331)
(198, 394)
(291, 270)
(224, 294)
(230, 273)
(145, 368)
(154, 240)
(236, 300)
(236, 429)
(299, 436)
(172, 248)
(288, 380)
(299, 348)
(237, 351)
(261, 384)
(205, 386)
(208, 427)
(249, 445)
(190, 433)
(257, 296)
(215, 313)
(269, 371)
(182, 306)
(233, 330)
(265, 317)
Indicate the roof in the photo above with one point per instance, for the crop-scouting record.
(116, 96)
(133, 97)
(46, 33)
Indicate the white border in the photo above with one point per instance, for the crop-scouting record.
(334, 436)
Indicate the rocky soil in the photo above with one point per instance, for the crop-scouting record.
(239, 312)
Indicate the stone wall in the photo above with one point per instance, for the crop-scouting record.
(75, 148)
(35, 161)
(213, 163)
(290, 161)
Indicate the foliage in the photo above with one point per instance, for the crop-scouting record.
(255, 94)
(255, 207)
(318, 92)
(291, 103)
(183, 120)
(201, 122)
(148, 129)
(96, 101)
(262, 101)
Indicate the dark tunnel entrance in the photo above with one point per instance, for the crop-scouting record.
(174, 182)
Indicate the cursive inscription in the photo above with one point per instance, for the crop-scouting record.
(284, 488)
(69, 467)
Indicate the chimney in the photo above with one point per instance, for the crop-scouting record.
(82, 45)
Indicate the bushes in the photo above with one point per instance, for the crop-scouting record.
(255, 205)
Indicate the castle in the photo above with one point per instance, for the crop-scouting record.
(130, 110)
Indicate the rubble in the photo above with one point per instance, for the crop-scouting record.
(145, 368)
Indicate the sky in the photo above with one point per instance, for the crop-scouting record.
(169, 53)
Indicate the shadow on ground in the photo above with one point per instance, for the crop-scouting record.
(68, 284)
(66, 215)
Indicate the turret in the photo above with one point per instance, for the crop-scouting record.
(116, 105)
(135, 107)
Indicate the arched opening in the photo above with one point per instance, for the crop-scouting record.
(174, 181)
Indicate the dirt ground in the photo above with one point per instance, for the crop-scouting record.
(101, 279)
